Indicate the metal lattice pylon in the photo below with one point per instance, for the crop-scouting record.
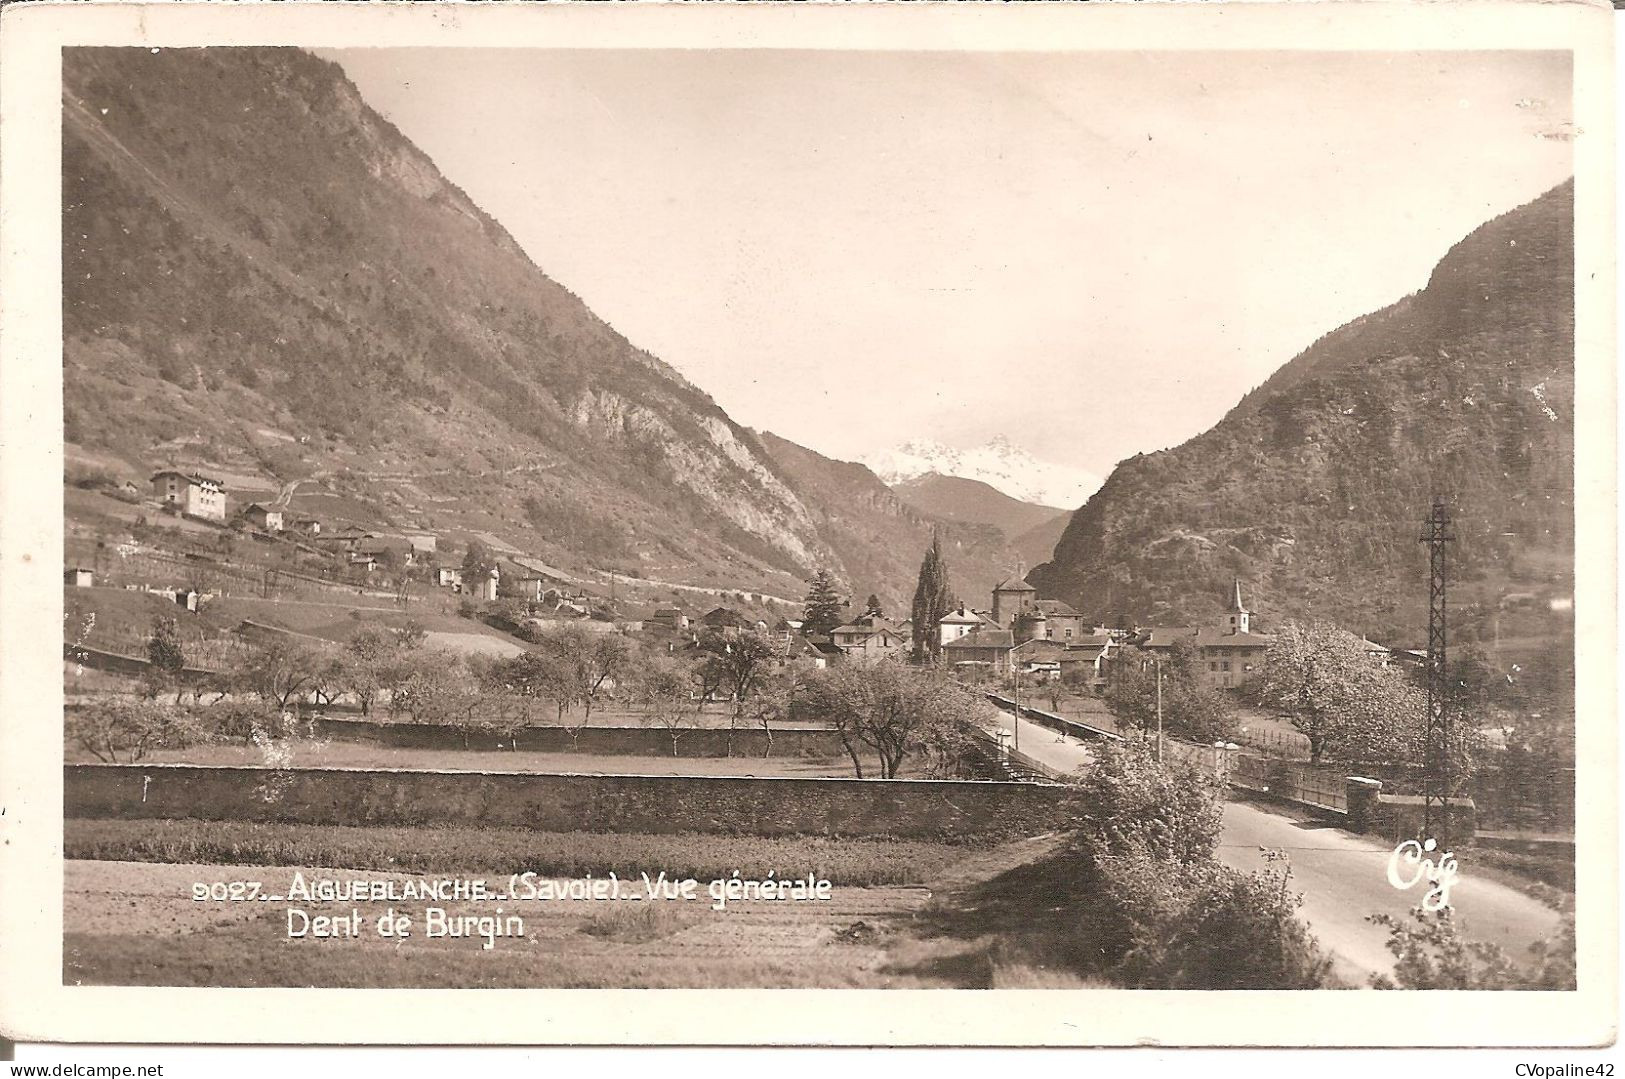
(1438, 777)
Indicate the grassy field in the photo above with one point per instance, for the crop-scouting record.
(319, 754)
(501, 851)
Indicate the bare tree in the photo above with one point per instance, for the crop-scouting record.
(736, 662)
(663, 693)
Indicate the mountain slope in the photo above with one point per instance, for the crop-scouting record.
(881, 539)
(1036, 545)
(264, 278)
(1312, 488)
(1030, 531)
(954, 498)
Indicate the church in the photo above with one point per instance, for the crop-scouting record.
(1230, 652)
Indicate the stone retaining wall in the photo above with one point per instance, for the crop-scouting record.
(552, 803)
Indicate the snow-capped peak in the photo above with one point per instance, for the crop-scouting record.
(999, 463)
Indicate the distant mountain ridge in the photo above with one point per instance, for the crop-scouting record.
(999, 463)
(1313, 487)
(1029, 530)
(955, 498)
(885, 535)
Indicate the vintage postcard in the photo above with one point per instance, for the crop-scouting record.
(580, 515)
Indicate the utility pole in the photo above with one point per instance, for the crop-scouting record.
(1015, 681)
(1159, 710)
(1437, 742)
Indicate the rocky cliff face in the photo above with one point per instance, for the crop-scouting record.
(262, 275)
(1313, 488)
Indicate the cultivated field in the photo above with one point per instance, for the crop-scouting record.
(135, 922)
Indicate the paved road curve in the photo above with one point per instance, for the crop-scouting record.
(1343, 877)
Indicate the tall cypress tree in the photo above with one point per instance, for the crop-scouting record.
(931, 603)
(823, 611)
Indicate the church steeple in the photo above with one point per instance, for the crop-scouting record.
(1240, 617)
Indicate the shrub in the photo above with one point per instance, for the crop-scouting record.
(1131, 803)
(241, 719)
(1431, 954)
(1203, 925)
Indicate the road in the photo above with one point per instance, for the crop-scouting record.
(1343, 877)
(1058, 751)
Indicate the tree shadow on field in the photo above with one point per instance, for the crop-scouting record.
(1031, 912)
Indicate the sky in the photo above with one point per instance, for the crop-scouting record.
(1094, 253)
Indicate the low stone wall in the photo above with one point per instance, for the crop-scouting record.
(98, 660)
(658, 804)
(611, 741)
(1399, 817)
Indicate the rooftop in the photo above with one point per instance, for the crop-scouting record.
(981, 637)
(1213, 639)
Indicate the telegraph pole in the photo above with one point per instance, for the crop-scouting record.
(1436, 534)
(1015, 682)
(1159, 710)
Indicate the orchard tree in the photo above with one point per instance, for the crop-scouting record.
(112, 727)
(931, 603)
(250, 719)
(1342, 699)
(585, 661)
(281, 670)
(441, 691)
(893, 712)
(539, 676)
(362, 666)
(736, 663)
(662, 693)
(772, 701)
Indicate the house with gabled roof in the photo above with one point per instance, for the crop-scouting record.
(1229, 654)
(191, 494)
(983, 647)
(869, 639)
(261, 516)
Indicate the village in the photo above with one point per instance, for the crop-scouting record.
(238, 638)
(1016, 632)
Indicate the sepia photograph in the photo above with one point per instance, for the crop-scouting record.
(549, 517)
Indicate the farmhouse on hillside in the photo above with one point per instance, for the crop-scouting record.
(266, 518)
(191, 494)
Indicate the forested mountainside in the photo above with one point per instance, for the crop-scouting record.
(265, 279)
(1313, 488)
